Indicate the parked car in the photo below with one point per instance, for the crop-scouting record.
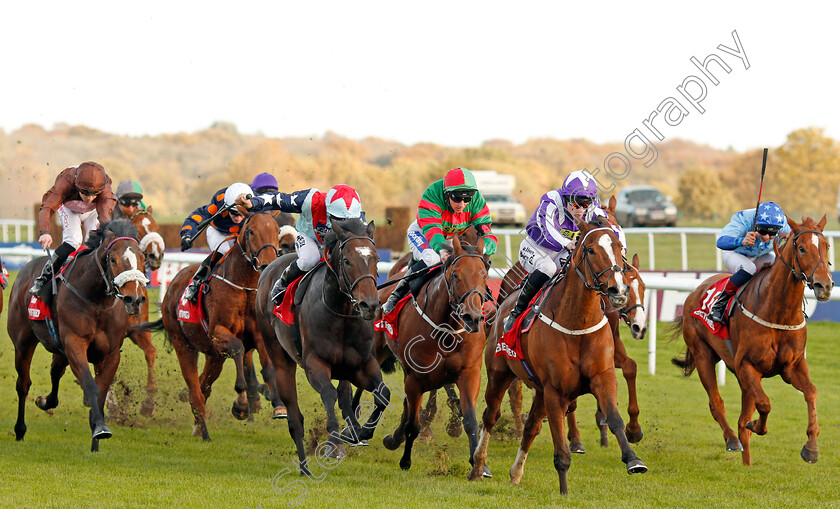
(644, 206)
(497, 190)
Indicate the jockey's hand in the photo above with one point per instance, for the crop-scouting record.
(749, 239)
(244, 200)
(571, 246)
(444, 254)
(186, 242)
(45, 240)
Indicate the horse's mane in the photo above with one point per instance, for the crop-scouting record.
(119, 227)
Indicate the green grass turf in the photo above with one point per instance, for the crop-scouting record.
(157, 463)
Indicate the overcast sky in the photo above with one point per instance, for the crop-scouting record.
(454, 73)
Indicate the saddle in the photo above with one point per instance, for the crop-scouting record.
(510, 344)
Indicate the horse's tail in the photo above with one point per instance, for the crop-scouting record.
(686, 363)
(389, 365)
(156, 326)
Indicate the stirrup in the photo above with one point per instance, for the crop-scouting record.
(191, 292)
(508, 323)
(277, 292)
(391, 303)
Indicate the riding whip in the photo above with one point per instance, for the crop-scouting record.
(760, 186)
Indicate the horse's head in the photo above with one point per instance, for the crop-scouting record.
(633, 313)
(287, 237)
(805, 253)
(465, 274)
(120, 254)
(353, 258)
(258, 240)
(151, 242)
(596, 260)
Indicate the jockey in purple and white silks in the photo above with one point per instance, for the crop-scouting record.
(552, 235)
(746, 250)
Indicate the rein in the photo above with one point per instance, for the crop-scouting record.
(800, 275)
(342, 277)
(455, 303)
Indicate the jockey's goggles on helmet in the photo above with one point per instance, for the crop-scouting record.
(130, 202)
(580, 201)
(85, 192)
(462, 196)
(235, 213)
(767, 230)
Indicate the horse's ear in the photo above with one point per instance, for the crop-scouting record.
(371, 228)
(456, 244)
(635, 262)
(611, 204)
(791, 223)
(149, 209)
(582, 225)
(337, 228)
(821, 224)
(479, 246)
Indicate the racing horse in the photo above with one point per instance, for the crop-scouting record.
(334, 320)
(568, 352)
(768, 334)
(89, 325)
(230, 327)
(440, 339)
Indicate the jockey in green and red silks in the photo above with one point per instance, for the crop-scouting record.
(447, 208)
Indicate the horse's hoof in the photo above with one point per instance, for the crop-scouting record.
(280, 413)
(360, 443)
(41, 402)
(239, 414)
(101, 432)
(405, 463)
(390, 443)
(734, 445)
(336, 451)
(577, 448)
(636, 467)
(485, 472)
(808, 455)
(634, 437)
(147, 409)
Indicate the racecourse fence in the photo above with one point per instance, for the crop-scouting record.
(666, 290)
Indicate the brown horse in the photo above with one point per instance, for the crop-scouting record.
(231, 326)
(443, 344)
(768, 334)
(633, 314)
(568, 352)
(334, 319)
(152, 245)
(89, 324)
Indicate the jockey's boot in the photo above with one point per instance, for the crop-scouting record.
(51, 268)
(402, 287)
(291, 273)
(532, 285)
(718, 312)
(202, 275)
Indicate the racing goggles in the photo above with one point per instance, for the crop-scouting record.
(461, 197)
(580, 201)
(767, 230)
(130, 202)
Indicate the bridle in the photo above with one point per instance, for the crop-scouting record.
(248, 252)
(456, 302)
(624, 313)
(344, 284)
(798, 272)
(598, 286)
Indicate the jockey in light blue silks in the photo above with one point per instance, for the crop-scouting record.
(745, 250)
(553, 232)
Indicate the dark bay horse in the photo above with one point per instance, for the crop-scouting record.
(152, 245)
(633, 314)
(336, 333)
(768, 334)
(570, 353)
(231, 325)
(443, 344)
(90, 325)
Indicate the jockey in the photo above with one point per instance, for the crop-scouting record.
(745, 251)
(317, 211)
(220, 228)
(264, 183)
(552, 235)
(82, 197)
(129, 199)
(447, 208)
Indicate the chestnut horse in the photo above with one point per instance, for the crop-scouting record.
(90, 326)
(443, 344)
(231, 327)
(569, 351)
(768, 335)
(633, 314)
(334, 319)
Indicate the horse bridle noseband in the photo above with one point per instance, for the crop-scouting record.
(249, 254)
(595, 277)
(111, 289)
(798, 273)
(342, 276)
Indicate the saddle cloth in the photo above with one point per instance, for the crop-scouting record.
(705, 309)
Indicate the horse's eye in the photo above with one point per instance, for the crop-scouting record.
(346, 261)
(589, 250)
(802, 249)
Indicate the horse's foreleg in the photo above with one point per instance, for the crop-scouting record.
(23, 361)
(270, 378)
(251, 384)
(59, 365)
(371, 380)
(427, 415)
(105, 372)
(744, 433)
(515, 396)
(318, 373)
(240, 408)
(188, 360)
(705, 360)
(285, 368)
(604, 388)
(799, 376)
(143, 339)
(532, 428)
(628, 370)
(212, 370)
(575, 444)
(76, 349)
(499, 378)
(453, 427)
(345, 402)
(556, 405)
(469, 383)
(393, 440)
(413, 398)
(750, 380)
